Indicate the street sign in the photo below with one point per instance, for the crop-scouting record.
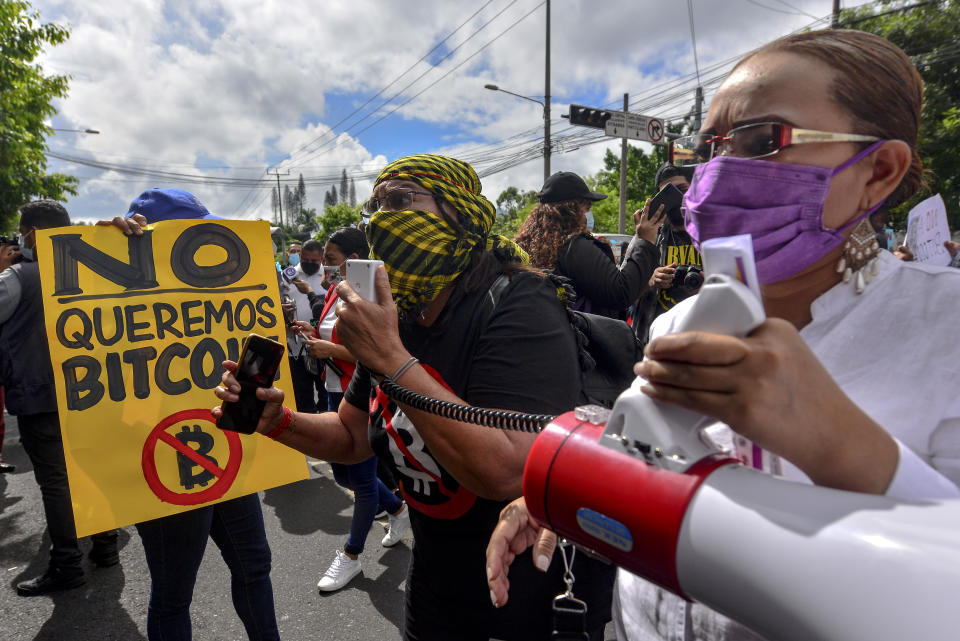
(635, 127)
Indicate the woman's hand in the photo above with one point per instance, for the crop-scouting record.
(951, 247)
(303, 328)
(515, 532)
(369, 330)
(903, 253)
(132, 225)
(663, 276)
(647, 226)
(319, 348)
(230, 392)
(772, 389)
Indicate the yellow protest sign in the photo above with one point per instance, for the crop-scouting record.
(138, 327)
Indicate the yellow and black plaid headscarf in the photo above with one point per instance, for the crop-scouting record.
(423, 252)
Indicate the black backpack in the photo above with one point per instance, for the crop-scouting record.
(607, 347)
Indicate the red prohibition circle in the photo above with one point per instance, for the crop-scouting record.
(212, 493)
(655, 130)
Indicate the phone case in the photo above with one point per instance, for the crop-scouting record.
(257, 367)
(670, 197)
(360, 275)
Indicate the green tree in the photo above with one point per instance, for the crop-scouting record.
(641, 170)
(513, 207)
(337, 216)
(26, 94)
(927, 32)
(343, 186)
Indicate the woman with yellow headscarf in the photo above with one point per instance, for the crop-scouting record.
(435, 331)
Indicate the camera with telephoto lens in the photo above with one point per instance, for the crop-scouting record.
(690, 276)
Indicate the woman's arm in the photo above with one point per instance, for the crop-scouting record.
(772, 389)
(598, 278)
(339, 436)
(320, 348)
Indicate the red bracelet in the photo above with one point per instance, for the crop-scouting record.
(284, 425)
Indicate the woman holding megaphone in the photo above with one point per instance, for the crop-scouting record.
(805, 139)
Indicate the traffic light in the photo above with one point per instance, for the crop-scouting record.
(589, 116)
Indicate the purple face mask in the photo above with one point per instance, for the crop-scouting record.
(779, 205)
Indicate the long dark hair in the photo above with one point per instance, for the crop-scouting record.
(548, 227)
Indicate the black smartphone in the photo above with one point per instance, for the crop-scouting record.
(257, 367)
(670, 197)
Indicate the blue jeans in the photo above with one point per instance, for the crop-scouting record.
(174, 547)
(369, 492)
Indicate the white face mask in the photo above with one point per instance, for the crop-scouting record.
(589, 216)
(26, 252)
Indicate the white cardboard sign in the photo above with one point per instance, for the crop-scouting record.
(927, 230)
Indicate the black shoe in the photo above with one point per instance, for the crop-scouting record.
(50, 581)
(6, 468)
(104, 557)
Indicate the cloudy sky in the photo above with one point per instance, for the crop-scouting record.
(210, 96)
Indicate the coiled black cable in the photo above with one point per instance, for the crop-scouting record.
(500, 419)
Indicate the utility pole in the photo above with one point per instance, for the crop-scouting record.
(546, 105)
(623, 170)
(698, 117)
(835, 18)
(283, 232)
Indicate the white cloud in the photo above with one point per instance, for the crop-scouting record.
(242, 83)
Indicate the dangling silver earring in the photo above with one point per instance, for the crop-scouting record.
(859, 257)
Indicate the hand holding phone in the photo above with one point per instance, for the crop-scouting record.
(257, 367)
(671, 198)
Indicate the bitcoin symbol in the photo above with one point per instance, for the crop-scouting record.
(204, 444)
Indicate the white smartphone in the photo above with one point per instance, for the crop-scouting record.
(360, 275)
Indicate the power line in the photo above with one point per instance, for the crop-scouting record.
(408, 70)
(326, 148)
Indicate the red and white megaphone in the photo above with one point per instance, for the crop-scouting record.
(791, 561)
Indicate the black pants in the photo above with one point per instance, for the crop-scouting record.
(40, 434)
(308, 390)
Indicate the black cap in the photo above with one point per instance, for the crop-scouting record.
(668, 171)
(566, 185)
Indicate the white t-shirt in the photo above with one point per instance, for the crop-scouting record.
(892, 351)
(325, 328)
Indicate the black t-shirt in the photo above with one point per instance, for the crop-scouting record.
(524, 358)
(676, 246)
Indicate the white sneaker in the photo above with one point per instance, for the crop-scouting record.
(340, 572)
(398, 526)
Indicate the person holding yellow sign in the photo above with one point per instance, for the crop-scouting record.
(174, 545)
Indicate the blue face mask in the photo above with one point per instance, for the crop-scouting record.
(26, 252)
(294, 260)
(589, 216)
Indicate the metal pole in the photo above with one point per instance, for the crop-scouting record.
(546, 105)
(623, 170)
(698, 118)
(835, 18)
(283, 232)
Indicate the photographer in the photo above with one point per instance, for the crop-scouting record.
(680, 273)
